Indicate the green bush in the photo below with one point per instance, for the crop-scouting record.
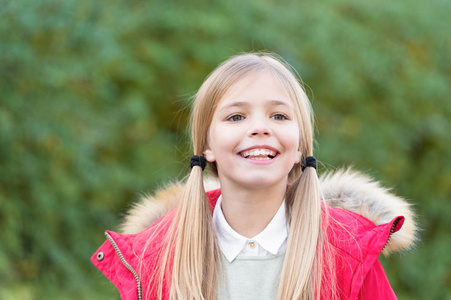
(95, 100)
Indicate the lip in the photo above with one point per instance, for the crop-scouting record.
(259, 147)
(256, 161)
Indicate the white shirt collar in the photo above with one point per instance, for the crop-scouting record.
(271, 239)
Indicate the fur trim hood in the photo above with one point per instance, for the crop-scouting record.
(344, 189)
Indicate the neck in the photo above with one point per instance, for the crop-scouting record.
(249, 211)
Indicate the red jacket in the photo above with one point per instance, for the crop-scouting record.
(358, 242)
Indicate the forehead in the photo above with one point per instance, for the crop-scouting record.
(257, 87)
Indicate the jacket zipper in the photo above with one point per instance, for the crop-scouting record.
(125, 263)
(391, 232)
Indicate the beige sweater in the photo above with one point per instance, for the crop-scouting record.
(251, 277)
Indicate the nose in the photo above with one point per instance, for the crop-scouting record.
(259, 127)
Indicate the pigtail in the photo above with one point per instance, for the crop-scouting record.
(194, 243)
(309, 266)
(305, 222)
(191, 248)
(192, 252)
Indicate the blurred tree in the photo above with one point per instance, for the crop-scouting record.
(94, 101)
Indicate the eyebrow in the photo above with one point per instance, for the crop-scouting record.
(271, 102)
(235, 104)
(278, 102)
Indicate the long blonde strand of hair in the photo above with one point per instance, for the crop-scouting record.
(195, 247)
(192, 245)
(301, 276)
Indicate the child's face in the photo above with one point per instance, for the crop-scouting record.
(254, 134)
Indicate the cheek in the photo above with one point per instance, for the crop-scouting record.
(293, 145)
(225, 135)
(292, 138)
(220, 140)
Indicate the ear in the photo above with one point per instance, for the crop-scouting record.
(298, 157)
(209, 155)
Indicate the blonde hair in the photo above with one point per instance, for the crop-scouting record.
(192, 248)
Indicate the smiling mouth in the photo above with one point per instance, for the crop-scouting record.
(259, 154)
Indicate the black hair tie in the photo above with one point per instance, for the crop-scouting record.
(200, 161)
(308, 162)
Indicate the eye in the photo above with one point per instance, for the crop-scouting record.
(235, 118)
(279, 117)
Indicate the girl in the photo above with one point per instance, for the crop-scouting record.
(267, 233)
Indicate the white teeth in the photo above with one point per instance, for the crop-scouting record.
(260, 158)
(259, 152)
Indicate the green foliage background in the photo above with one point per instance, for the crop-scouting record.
(94, 100)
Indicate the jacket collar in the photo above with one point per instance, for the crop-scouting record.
(344, 189)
